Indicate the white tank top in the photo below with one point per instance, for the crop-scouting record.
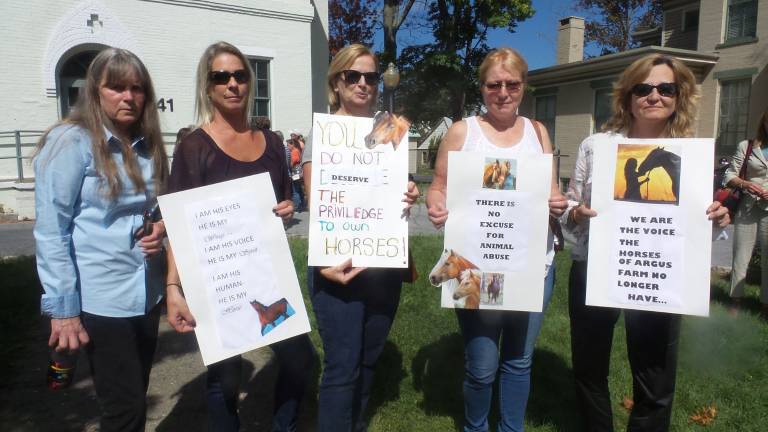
(476, 141)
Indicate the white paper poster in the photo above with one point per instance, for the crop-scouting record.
(235, 266)
(496, 232)
(359, 175)
(650, 244)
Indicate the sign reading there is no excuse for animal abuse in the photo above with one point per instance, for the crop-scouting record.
(235, 266)
(496, 232)
(650, 243)
(359, 175)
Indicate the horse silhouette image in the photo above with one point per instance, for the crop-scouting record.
(273, 315)
(668, 161)
(387, 128)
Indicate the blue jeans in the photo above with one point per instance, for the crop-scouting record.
(482, 331)
(354, 322)
(295, 357)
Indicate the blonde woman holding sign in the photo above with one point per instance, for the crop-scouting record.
(487, 333)
(355, 307)
(655, 97)
(224, 147)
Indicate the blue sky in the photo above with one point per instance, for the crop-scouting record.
(535, 38)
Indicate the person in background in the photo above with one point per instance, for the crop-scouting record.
(225, 147)
(751, 220)
(655, 97)
(297, 174)
(354, 306)
(498, 342)
(101, 264)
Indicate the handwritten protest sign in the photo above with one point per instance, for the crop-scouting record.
(235, 266)
(496, 232)
(649, 246)
(359, 175)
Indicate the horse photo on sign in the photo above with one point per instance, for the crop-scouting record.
(647, 173)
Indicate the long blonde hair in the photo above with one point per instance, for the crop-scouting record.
(342, 61)
(110, 67)
(203, 105)
(680, 123)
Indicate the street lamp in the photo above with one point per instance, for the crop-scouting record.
(391, 80)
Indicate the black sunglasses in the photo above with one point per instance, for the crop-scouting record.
(352, 76)
(664, 89)
(222, 76)
(511, 86)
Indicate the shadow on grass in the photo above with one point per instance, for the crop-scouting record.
(386, 380)
(553, 398)
(438, 372)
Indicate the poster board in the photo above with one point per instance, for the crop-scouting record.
(359, 175)
(235, 265)
(650, 243)
(495, 241)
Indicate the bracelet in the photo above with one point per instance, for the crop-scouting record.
(178, 285)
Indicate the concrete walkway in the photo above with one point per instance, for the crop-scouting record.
(16, 239)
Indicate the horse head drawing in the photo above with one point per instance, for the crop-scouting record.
(668, 161)
(469, 288)
(387, 128)
(449, 266)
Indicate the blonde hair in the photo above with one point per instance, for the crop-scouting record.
(203, 106)
(342, 61)
(680, 123)
(509, 59)
(112, 67)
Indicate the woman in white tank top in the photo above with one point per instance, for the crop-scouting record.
(486, 333)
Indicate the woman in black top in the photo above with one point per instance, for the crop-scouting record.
(224, 148)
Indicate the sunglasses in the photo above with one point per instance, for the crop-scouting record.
(222, 77)
(664, 89)
(352, 76)
(511, 86)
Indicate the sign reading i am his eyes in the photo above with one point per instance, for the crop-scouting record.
(650, 243)
(359, 175)
(235, 266)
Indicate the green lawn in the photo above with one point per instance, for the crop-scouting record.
(723, 360)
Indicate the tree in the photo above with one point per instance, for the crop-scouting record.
(392, 19)
(350, 21)
(440, 77)
(613, 22)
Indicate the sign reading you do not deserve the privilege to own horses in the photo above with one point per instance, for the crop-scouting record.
(496, 232)
(650, 243)
(235, 266)
(359, 175)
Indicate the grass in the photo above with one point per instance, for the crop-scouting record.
(723, 360)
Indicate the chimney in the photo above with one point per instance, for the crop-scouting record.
(570, 40)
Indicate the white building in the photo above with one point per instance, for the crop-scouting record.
(48, 44)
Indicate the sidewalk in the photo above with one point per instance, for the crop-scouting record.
(16, 239)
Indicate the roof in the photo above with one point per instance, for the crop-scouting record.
(611, 65)
(424, 143)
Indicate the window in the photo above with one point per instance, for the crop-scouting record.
(545, 113)
(742, 19)
(734, 111)
(261, 94)
(691, 20)
(603, 110)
